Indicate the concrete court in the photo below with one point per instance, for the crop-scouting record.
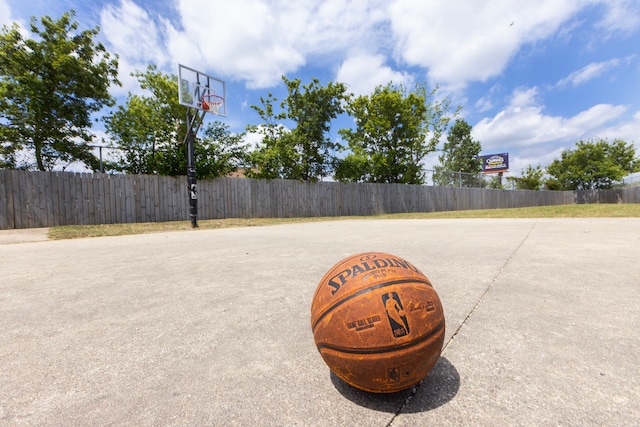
(212, 327)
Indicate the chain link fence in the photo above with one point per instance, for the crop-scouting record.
(25, 160)
(631, 180)
(466, 180)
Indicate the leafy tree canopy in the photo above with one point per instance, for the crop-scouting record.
(149, 128)
(394, 130)
(304, 152)
(50, 85)
(593, 164)
(531, 179)
(219, 152)
(459, 154)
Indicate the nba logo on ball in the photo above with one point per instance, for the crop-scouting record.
(377, 322)
(396, 315)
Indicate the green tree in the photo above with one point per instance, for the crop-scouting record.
(271, 159)
(531, 179)
(50, 85)
(394, 130)
(495, 182)
(150, 130)
(219, 152)
(623, 155)
(304, 152)
(552, 184)
(593, 164)
(460, 163)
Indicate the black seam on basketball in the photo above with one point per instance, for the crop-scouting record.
(364, 291)
(438, 328)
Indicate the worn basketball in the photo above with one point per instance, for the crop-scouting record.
(377, 322)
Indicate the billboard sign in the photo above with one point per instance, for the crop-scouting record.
(495, 163)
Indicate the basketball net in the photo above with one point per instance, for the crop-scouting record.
(212, 103)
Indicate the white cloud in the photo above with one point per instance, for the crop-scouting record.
(542, 156)
(599, 122)
(591, 119)
(5, 14)
(363, 73)
(620, 16)
(628, 131)
(244, 40)
(324, 26)
(136, 38)
(523, 124)
(524, 97)
(460, 42)
(260, 40)
(487, 102)
(589, 72)
(483, 104)
(257, 41)
(131, 30)
(8, 18)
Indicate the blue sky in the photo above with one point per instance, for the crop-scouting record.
(533, 77)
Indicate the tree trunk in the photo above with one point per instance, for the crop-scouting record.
(39, 162)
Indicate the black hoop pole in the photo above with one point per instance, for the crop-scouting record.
(191, 169)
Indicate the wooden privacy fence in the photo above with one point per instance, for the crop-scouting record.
(44, 199)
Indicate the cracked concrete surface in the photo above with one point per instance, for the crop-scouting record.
(211, 327)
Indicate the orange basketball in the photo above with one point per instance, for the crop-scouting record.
(377, 322)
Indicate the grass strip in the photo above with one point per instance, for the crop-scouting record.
(560, 211)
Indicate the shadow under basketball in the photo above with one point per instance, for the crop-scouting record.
(438, 388)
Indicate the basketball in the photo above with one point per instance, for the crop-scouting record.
(377, 322)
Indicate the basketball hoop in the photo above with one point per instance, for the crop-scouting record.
(212, 103)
